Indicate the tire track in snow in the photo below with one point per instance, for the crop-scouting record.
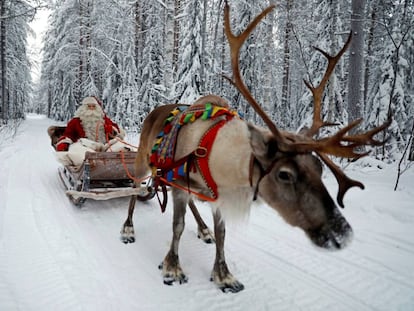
(30, 268)
(67, 230)
(295, 282)
(294, 289)
(71, 245)
(366, 284)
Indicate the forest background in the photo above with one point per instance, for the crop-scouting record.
(136, 55)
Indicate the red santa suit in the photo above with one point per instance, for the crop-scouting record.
(89, 130)
(94, 125)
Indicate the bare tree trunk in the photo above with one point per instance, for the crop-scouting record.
(79, 81)
(138, 39)
(356, 61)
(3, 101)
(49, 103)
(409, 143)
(286, 60)
(411, 155)
(169, 46)
(176, 35)
(268, 101)
(203, 79)
(85, 9)
(370, 41)
(219, 54)
(333, 8)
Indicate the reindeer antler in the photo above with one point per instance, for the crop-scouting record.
(339, 144)
(334, 145)
(317, 92)
(235, 44)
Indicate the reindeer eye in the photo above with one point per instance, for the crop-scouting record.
(286, 175)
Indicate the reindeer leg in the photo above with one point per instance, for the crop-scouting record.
(171, 269)
(141, 168)
(221, 274)
(127, 232)
(204, 233)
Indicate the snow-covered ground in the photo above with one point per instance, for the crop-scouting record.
(55, 256)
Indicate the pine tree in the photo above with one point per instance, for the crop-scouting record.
(188, 81)
(15, 82)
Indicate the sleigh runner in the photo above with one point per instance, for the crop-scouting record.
(102, 175)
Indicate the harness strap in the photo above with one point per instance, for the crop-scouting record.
(160, 184)
(202, 154)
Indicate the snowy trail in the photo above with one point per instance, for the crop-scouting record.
(54, 256)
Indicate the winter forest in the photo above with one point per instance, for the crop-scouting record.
(136, 55)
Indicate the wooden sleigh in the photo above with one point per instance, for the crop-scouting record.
(102, 175)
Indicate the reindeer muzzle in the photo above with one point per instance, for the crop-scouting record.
(336, 234)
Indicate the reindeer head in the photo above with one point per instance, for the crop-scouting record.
(289, 163)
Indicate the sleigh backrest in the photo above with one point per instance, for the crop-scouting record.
(111, 165)
(55, 132)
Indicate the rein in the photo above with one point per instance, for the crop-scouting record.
(161, 182)
(198, 194)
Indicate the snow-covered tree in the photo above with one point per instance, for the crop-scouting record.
(136, 55)
(15, 82)
(390, 89)
(188, 84)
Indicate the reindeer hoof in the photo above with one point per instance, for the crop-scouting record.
(171, 279)
(127, 234)
(127, 240)
(233, 287)
(206, 236)
(227, 283)
(174, 276)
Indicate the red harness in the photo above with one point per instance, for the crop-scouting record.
(202, 156)
(196, 160)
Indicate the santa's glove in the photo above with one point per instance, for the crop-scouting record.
(111, 130)
(63, 143)
(61, 146)
(116, 133)
(108, 128)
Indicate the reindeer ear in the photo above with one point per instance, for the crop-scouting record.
(263, 144)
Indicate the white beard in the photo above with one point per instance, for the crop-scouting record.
(92, 122)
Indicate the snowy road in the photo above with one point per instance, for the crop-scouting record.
(54, 256)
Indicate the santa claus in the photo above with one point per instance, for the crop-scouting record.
(89, 130)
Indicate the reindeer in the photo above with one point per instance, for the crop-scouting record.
(246, 161)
